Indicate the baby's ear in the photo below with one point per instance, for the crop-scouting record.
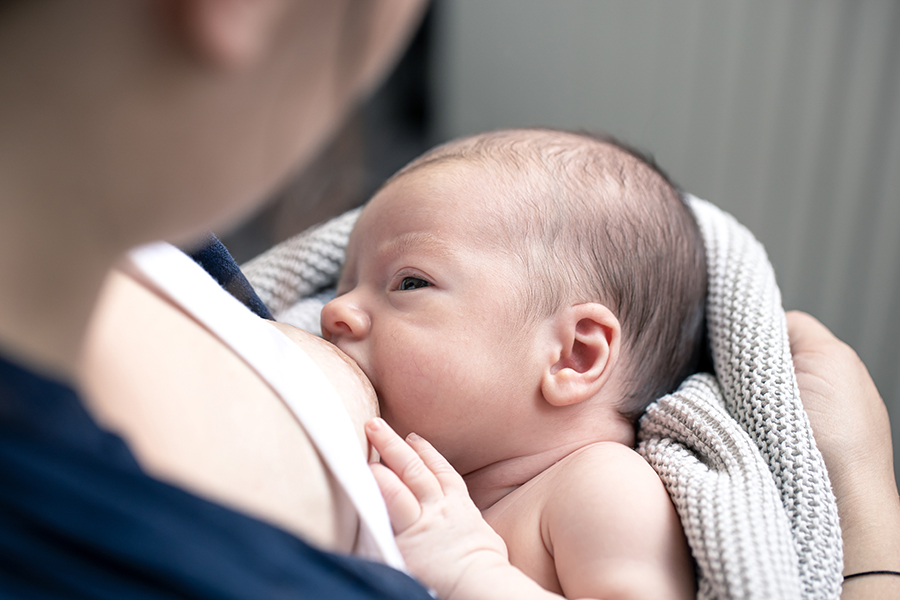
(587, 340)
(228, 33)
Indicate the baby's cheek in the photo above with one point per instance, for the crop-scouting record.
(408, 394)
(396, 411)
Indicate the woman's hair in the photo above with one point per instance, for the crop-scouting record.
(596, 221)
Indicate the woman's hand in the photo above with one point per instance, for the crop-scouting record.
(852, 430)
(445, 541)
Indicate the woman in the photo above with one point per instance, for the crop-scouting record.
(125, 122)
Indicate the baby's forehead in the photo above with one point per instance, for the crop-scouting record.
(474, 183)
(422, 208)
(512, 181)
(480, 196)
(455, 184)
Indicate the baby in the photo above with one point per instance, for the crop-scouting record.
(517, 298)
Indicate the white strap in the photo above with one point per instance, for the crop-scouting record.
(277, 360)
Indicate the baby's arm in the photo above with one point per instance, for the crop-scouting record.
(612, 529)
(449, 546)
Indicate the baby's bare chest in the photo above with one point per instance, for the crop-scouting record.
(517, 518)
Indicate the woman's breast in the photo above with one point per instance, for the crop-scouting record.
(195, 415)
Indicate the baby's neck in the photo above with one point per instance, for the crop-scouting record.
(491, 483)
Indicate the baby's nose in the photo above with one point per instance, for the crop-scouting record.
(343, 318)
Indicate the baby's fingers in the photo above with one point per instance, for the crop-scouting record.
(403, 461)
(403, 508)
(449, 479)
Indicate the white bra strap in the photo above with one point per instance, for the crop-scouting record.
(277, 361)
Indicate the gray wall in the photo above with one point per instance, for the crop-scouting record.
(785, 113)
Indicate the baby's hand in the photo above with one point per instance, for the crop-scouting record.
(440, 532)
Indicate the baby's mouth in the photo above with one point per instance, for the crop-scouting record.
(361, 367)
(350, 360)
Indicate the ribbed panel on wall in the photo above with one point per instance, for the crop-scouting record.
(785, 113)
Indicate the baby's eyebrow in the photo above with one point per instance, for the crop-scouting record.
(419, 241)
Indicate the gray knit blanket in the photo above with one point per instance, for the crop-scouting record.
(734, 448)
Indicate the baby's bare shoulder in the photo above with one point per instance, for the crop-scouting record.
(608, 474)
(613, 529)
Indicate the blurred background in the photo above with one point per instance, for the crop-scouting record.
(785, 113)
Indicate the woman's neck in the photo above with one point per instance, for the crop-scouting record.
(50, 284)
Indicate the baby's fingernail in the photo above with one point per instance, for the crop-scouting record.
(374, 424)
(413, 437)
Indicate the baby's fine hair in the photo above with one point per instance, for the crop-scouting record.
(596, 221)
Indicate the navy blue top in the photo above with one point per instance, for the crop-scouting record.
(79, 519)
(215, 258)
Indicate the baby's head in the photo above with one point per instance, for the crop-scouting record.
(506, 277)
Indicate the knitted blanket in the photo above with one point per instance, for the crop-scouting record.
(734, 449)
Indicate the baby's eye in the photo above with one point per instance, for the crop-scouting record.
(412, 283)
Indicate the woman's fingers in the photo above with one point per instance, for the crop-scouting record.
(807, 334)
(403, 461)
